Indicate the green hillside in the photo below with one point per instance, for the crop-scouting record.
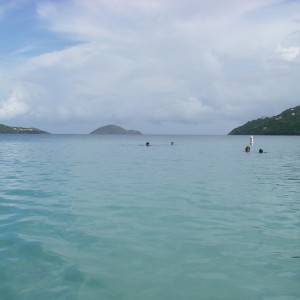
(20, 130)
(114, 129)
(286, 123)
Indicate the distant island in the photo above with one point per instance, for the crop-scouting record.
(286, 123)
(20, 130)
(114, 129)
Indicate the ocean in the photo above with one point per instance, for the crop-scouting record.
(105, 217)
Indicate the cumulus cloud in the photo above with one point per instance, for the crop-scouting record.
(288, 53)
(14, 106)
(163, 61)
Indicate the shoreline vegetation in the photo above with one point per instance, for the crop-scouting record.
(286, 123)
(4, 129)
(114, 129)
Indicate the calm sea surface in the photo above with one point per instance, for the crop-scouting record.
(104, 217)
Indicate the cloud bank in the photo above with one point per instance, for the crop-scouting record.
(156, 66)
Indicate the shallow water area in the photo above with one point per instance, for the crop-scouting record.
(105, 217)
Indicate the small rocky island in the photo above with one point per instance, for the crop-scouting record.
(286, 123)
(20, 130)
(114, 129)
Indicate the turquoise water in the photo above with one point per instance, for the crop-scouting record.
(104, 217)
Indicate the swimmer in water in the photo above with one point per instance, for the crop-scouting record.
(247, 149)
(260, 151)
(147, 144)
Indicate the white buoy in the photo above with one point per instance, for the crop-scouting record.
(251, 140)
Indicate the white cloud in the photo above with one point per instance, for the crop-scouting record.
(192, 109)
(13, 106)
(169, 61)
(288, 53)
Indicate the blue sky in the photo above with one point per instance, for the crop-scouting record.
(22, 32)
(158, 66)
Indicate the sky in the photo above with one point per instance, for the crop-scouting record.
(157, 66)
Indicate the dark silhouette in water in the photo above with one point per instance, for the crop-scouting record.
(247, 149)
